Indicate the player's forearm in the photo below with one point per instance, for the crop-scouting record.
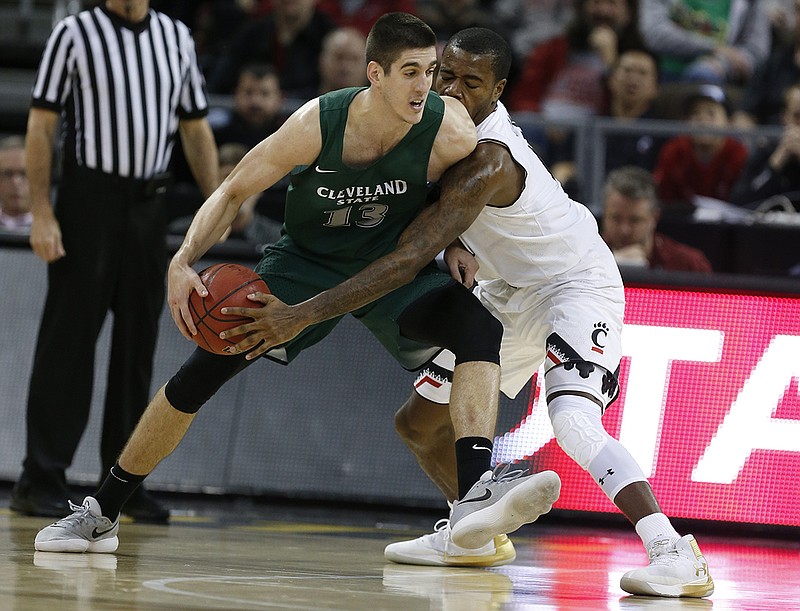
(209, 224)
(373, 282)
(432, 230)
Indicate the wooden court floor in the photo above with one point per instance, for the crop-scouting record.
(227, 558)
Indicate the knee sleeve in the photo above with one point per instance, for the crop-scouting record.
(200, 377)
(580, 433)
(582, 378)
(453, 318)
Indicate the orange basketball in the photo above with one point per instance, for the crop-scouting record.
(228, 285)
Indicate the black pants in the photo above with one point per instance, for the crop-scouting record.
(113, 232)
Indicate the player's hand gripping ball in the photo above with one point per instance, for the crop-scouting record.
(228, 285)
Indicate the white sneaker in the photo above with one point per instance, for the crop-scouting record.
(86, 530)
(436, 549)
(500, 502)
(677, 568)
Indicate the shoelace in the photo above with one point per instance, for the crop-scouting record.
(666, 553)
(503, 473)
(80, 513)
(440, 530)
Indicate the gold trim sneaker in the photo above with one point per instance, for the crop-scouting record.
(437, 549)
(677, 568)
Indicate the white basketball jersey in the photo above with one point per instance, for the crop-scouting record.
(544, 234)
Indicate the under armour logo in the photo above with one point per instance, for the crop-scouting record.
(602, 480)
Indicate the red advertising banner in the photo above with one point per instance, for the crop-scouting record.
(709, 407)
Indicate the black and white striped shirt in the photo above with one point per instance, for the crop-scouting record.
(122, 88)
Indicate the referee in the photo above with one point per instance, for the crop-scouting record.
(123, 80)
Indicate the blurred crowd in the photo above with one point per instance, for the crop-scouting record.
(714, 65)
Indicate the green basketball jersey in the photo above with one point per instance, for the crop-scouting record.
(345, 217)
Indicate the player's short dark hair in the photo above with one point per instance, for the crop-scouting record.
(394, 33)
(483, 41)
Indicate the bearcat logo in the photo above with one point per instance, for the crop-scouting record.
(599, 336)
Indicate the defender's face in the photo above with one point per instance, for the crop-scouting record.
(469, 78)
(405, 87)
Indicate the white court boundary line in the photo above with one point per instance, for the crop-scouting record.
(164, 585)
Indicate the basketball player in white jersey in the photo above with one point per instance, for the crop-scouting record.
(546, 274)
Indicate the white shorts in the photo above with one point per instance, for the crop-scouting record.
(578, 320)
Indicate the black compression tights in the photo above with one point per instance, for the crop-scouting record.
(453, 318)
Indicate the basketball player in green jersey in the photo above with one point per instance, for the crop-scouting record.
(361, 161)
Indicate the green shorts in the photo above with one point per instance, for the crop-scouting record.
(293, 276)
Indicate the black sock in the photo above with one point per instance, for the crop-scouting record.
(473, 459)
(117, 488)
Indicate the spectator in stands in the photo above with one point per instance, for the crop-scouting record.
(632, 87)
(630, 217)
(446, 17)
(700, 163)
(15, 203)
(257, 108)
(341, 62)
(289, 37)
(564, 76)
(257, 112)
(527, 23)
(782, 19)
(774, 171)
(706, 40)
(762, 100)
(362, 14)
(211, 23)
(248, 225)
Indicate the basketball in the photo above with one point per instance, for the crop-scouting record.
(228, 285)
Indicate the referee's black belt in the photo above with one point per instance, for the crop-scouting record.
(140, 187)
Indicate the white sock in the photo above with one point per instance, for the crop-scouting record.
(654, 527)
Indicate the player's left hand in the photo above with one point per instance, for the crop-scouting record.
(273, 324)
(462, 264)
